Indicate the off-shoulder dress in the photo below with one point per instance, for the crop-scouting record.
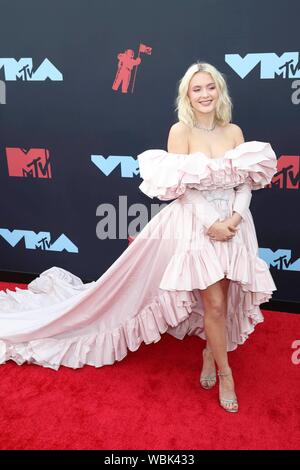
(155, 285)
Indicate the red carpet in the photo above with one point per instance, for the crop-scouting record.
(152, 399)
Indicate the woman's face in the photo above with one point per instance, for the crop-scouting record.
(203, 93)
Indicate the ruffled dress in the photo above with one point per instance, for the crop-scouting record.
(155, 286)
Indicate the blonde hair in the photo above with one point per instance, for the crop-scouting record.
(223, 113)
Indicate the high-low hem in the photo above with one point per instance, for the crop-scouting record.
(177, 312)
(155, 286)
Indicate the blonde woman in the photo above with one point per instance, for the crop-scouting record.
(193, 269)
(204, 127)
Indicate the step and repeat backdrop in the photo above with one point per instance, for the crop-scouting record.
(87, 85)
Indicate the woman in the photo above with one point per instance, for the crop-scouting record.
(193, 269)
(204, 110)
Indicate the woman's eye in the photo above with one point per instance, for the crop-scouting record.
(211, 88)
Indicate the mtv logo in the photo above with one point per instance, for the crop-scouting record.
(38, 241)
(32, 163)
(270, 64)
(129, 165)
(288, 174)
(22, 69)
(280, 259)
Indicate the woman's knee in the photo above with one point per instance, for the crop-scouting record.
(214, 303)
(215, 310)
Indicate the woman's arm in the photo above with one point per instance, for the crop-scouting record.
(243, 194)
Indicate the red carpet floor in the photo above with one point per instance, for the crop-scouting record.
(152, 399)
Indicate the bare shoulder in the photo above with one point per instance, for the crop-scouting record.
(236, 133)
(178, 138)
(180, 126)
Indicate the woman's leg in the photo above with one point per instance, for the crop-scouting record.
(225, 286)
(215, 307)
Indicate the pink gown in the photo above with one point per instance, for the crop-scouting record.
(155, 285)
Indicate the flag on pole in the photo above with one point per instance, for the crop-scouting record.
(145, 49)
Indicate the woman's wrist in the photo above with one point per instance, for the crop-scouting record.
(235, 218)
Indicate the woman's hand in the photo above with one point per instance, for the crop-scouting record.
(222, 230)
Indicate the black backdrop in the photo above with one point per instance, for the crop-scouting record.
(82, 115)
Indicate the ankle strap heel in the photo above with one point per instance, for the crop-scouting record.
(229, 404)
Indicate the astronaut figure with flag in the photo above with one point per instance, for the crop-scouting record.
(125, 66)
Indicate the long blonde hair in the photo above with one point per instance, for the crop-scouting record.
(223, 113)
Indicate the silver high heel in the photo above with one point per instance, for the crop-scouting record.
(207, 381)
(228, 401)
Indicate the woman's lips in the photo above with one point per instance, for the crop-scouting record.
(206, 103)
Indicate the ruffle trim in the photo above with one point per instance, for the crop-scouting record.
(99, 349)
(252, 286)
(197, 269)
(51, 286)
(167, 175)
(175, 310)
